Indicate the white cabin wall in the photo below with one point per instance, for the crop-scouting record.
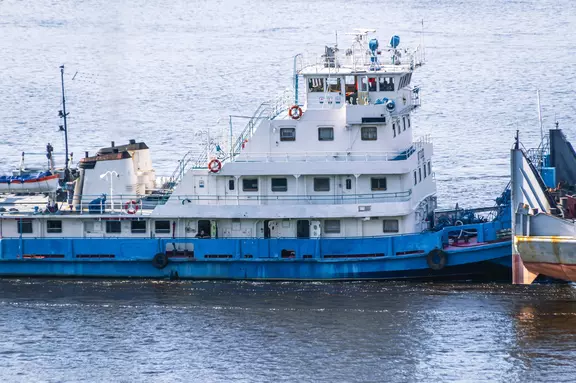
(124, 184)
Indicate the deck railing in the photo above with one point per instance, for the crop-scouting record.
(299, 198)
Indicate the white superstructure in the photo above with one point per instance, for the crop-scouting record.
(345, 162)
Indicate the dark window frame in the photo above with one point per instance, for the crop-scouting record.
(281, 188)
(375, 183)
(53, 230)
(231, 185)
(158, 230)
(137, 230)
(332, 230)
(348, 184)
(25, 226)
(113, 227)
(325, 128)
(415, 178)
(390, 230)
(250, 188)
(321, 188)
(293, 130)
(367, 131)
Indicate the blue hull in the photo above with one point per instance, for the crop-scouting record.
(399, 257)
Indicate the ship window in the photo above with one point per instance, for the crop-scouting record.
(363, 82)
(279, 184)
(408, 118)
(321, 184)
(230, 184)
(394, 129)
(390, 226)
(138, 227)
(250, 184)
(419, 175)
(53, 226)
(386, 84)
(332, 226)
(325, 134)
(333, 84)
(113, 227)
(378, 183)
(404, 122)
(162, 227)
(415, 178)
(24, 226)
(369, 133)
(424, 168)
(429, 168)
(287, 134)
(316, 84)
(348, 184)
(350, 84)
(372, 84)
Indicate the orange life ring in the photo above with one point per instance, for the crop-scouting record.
(295, 112)
(215, 165)
(131, 207)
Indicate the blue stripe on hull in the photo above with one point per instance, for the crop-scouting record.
(132, 259)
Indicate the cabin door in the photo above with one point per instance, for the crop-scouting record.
(303, 228)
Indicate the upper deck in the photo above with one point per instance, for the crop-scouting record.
(364, 56)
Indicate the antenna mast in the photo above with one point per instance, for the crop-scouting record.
(62, 113)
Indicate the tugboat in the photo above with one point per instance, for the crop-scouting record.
(326, 183)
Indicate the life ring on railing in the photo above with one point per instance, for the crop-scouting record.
(295, 112)
(215, 165)
(131, 207)
(436, 259)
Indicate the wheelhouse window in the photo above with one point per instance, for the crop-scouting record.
(53, 226)
(372, 85)
(424, 168)
(419, 175)
(231, 185)
(322, 184)
(348, 184)
(332, 226)
(369, 133)
(386, 84)
(429, 168)
(287, 134)
(404, 122)
(113, 227)
(390, 226)
(250, 184)
(316, 84)
(363, 84)
(378, 184)
(394, 129)
(162, 227)
(279, 184)
(325, 134)
(138, 227)
(333, 84)
(415, 178)
(24, 226)
(408, 118)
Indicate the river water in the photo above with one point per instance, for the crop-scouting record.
(129, 331)
(160, 71)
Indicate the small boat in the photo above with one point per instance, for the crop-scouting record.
(41, 182)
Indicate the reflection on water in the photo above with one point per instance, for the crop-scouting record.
(245, 331)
